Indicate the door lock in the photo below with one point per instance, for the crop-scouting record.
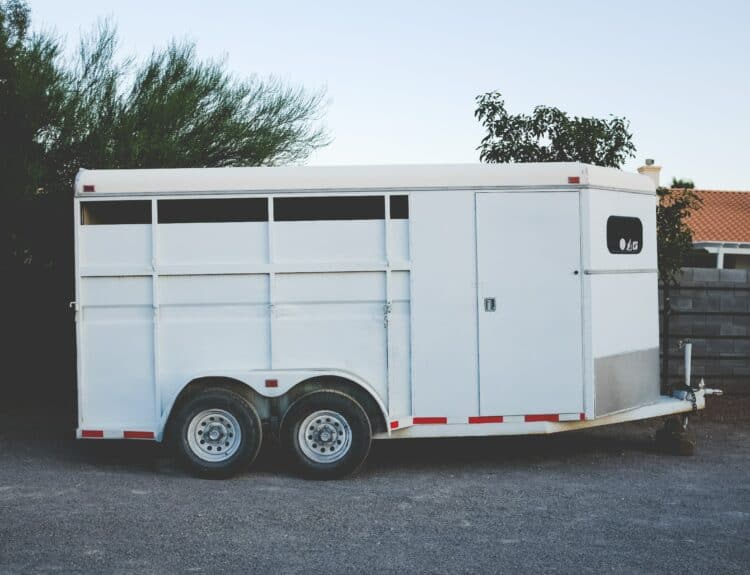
(489, 304)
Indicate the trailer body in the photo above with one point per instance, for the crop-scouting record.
(460, 299)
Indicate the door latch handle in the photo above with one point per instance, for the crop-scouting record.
(489, 304)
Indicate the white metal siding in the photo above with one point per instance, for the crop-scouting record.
(444, 304)
(332, 320)
(209, 244)
(182, 300)
(622, 298)
(117, 352)
(623, 293)
(210, 323)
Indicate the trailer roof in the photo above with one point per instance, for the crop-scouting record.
(354, 178)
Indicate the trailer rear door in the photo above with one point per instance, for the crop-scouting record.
(529, 290)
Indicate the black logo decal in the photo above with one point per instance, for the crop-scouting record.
(624, 235)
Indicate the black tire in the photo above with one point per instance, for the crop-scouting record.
(352, 420)
(217, 403)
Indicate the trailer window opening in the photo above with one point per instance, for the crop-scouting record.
(115, 213)
(329, 208)
(624, 235)
(213, 210)
(399, 207)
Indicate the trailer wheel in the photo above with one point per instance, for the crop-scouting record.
(326, 434)
(218, 433)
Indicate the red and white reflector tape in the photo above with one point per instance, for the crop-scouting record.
(115, 434)
(403, 422)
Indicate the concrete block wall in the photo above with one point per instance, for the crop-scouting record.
(711, 307)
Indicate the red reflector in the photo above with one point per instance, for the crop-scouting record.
(394, 424)
(92, 433)
(486, 419)
(583, 417)
(542, 417)
(88, 188)
(138, 434)
(429, 420)
(571, 180)
(272, 383)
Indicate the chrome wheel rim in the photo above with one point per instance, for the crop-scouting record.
(325, 436)
(214, 435)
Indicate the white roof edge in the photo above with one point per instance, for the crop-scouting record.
(378, 177)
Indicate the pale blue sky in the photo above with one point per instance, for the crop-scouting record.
(401, 76)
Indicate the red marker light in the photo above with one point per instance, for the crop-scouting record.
(574, 180)
(88, 188)
(138, 434)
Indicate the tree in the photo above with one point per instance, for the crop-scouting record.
(175, 110)
(682, 184)
(675, 238)
(550, 135)
(100, 111)
(675, 242)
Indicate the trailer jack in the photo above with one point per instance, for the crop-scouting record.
(673, 437)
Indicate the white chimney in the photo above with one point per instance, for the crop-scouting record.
(650, 170)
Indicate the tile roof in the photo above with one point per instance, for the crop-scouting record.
(723, 217)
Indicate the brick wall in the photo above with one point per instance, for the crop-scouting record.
(711, 307)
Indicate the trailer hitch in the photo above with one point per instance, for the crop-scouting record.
(687, 391)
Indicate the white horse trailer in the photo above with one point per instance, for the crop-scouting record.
(331, 306)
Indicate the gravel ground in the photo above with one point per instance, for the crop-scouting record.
(600, 500)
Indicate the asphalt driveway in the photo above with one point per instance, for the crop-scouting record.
(595, 501)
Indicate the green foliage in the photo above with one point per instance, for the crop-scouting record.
(550, 135)
(30, 96)
(100, 111)
(675, 240)
(174, 110)
(682, 184)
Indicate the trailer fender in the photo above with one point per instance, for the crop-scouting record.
(273, 384)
